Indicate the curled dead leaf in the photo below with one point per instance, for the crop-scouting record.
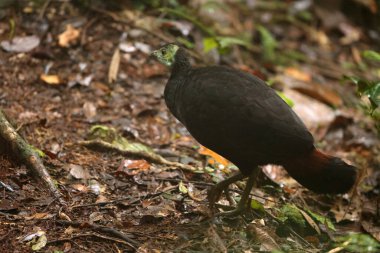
(260, 235)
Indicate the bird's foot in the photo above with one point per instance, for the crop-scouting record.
(214, 195)
(245, 199)
(216, 191)
(240, 209)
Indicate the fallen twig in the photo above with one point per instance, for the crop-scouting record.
(94, 235)
(103, 229)
(99, 144)
(17, 147)
(131, 202)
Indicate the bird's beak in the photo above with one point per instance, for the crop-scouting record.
(153, 54)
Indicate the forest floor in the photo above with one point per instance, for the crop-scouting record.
(77, 67)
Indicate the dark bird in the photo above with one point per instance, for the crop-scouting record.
(241, 118)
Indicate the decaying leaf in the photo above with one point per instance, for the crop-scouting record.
(50, 79)
(95, 187)
(372, 228)
(215, 241)
(89, 110)
(39, 216)
(258, 234)
(114, 66)
(79, 187)
(195, 194)
(310, 221)
(69, 36)
(134, 167)
(298, 74)
(38, 240)
(78, 172)
(108, 138)
(21, 44)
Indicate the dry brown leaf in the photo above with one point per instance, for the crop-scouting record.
(137, 164)
(96, 216)
(215, 241)
(64, 216)
(89, 110)
(21, 44)
(50, 79)
(372, 229)
(351, 33)
(69, 230)
(341, 213)
(67, 247)
(78, 172)
(114, 66)
(310, 221)
(101, 199)
(39, 216)
(298, 74)
(69, 36)
(146, 202)
(260, 235)
(195, 194)
(79, 187)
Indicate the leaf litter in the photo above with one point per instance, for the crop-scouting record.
(147, 189)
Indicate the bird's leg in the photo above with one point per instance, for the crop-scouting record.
(216, 190)
(244, 198)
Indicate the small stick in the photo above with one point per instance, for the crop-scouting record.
(102, 229)
(99, 144)
(92, 234)
(24, 153)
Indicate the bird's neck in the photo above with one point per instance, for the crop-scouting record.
(180, 70)
(181, 63)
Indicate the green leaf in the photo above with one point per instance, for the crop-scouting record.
(290, 214)
(322, 219)
(268, 43)
(182, 188)
(39, 152)
(373, 94)
(369, 88)
(358, 243)
(186, 15)
(371, 55)
(110, 135)
(225, 42)
(209, 44)
(285, 98)
(256, 205)
(185, 42)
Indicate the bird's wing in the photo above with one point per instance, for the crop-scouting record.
(227, 109)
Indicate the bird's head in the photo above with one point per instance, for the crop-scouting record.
(166, 54)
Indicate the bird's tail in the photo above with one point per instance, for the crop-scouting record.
(322, 173)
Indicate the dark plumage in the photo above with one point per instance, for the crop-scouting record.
(240, 117)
